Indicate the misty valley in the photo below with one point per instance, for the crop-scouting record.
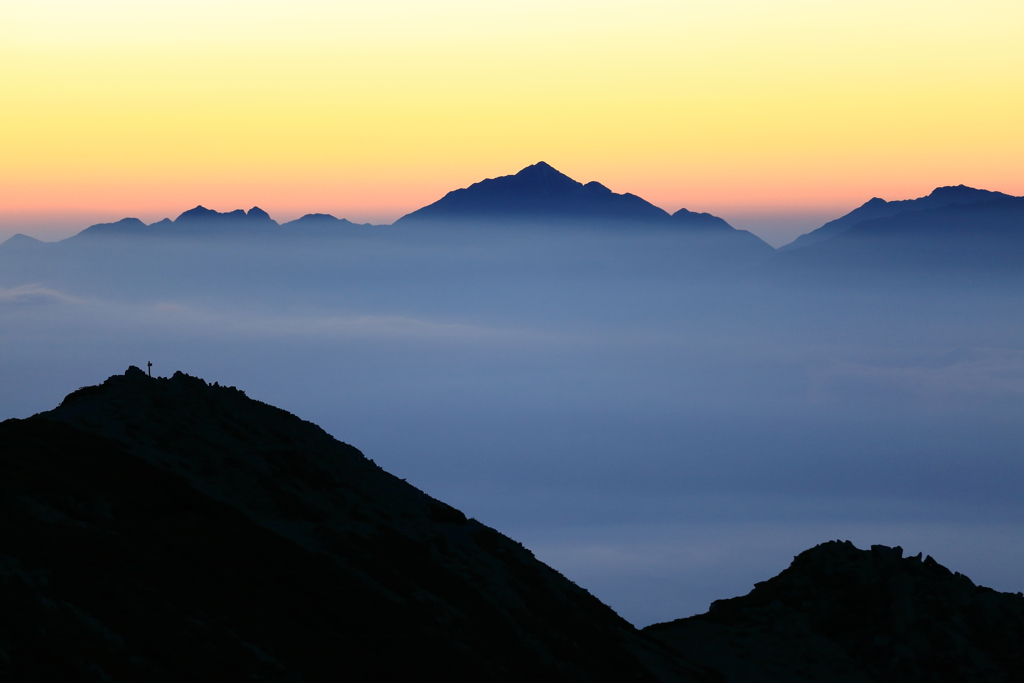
(663, 409)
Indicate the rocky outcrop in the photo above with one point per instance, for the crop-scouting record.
(158, 529)
(840, 614)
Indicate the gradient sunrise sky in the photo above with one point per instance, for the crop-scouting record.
(753, 110)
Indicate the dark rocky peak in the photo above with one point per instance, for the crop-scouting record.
(133, 371)
(189, 532)
(839, 613)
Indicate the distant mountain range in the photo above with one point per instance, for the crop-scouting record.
(954, 235)
(952, 229)
(537, 194)
(167, 529)
(200, 222)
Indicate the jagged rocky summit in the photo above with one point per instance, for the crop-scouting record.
(844, 615)
(203, 222)
(167, 529)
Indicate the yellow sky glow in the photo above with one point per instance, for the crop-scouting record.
(117, 107)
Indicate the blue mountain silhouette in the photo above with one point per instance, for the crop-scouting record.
(538, 192)
(879, 208)
(197, 221)
(956, 242)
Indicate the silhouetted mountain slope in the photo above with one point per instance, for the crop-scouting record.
(840, 614)
(125, 226)
(537, 196)
(879, 208)
(540, 196)
(237, 219)
(537, 193)
(320, 225)
(20, 241)
(700, 221)
(199, 221)
(167, 529)
(956, 244)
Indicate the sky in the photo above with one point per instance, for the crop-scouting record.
(662, 442)
(775, 115)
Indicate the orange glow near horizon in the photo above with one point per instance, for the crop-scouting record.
(734, 107)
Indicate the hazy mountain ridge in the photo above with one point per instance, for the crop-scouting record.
(203, 222)
(538, 193)
(954, 234)
(954, 244)
(879, 208)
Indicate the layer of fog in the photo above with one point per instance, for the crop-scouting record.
(660, 427)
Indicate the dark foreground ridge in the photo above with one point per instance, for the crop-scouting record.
(845, 615)
(170, 530)
(167, 529)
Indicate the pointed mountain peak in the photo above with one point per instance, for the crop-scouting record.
(538, 193)
(256, 213)
(198, 213)
(19, 240)
(541, 169)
